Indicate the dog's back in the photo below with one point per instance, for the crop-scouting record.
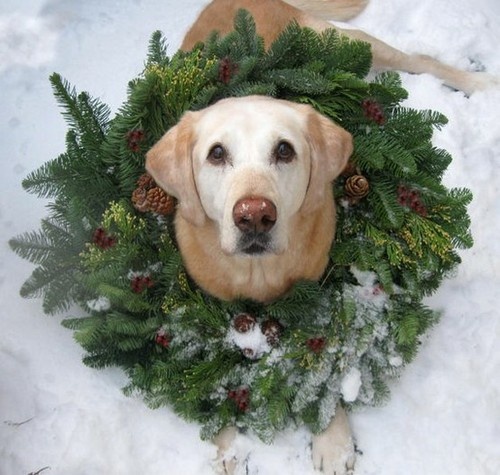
(272, 16)
(341, 10)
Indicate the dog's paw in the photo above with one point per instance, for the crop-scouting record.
(472, 82)
(225, 466)
(333, 458)
(226, 462)
(333, 450)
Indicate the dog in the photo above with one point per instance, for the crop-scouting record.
(253, 179)
(253, 176)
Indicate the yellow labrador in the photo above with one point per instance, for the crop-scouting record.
(253, 180)
(256, 210)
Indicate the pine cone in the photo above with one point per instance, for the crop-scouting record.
(244, 322)
(146, 181)
(159, 201)
(249, 353)
(148, 196)
(139, 195)
(272, 330)
(139, 199)
(356, 187)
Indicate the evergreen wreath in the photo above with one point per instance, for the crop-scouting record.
(108, 242)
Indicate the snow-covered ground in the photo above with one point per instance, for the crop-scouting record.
(56, 414)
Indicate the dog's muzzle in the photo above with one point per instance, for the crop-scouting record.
(254, 217)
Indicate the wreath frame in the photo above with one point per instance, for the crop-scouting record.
(339, 340)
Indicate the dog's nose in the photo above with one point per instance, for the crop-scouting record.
(254, 214)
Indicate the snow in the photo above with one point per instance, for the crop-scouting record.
(368, 293)
(100, 304)
(253, 342)
(444, 413)
(350, 385)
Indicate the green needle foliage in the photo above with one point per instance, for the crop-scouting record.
(358, 326)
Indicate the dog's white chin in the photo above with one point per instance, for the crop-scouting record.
(233, 247)
(253, 253)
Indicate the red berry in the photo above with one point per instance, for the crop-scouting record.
(373, 111)
(241, 398)
(162, 339)
(134, 139)
(226, 70)
(316, 344)
(141, 282)
(103, 240)
(411, 199)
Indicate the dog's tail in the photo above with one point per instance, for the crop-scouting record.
(340, 10)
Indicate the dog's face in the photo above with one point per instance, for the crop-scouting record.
(250, 165)
(251, 169)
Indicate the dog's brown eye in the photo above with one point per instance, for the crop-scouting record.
(217, 155)
(284, 152)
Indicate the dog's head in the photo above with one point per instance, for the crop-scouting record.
(250, 164)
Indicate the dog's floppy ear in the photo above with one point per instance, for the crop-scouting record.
(331, 147)
(169, 162)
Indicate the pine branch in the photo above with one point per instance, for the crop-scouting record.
(413, 128)
(252, 88)
(376, 151)
(295, 305)
(34, 246)
(250, 43)
(387, 89)
(55, 284)
(157, 51)
(245, 70)
(285, 51)
(299, 81)
(48, 180)
(433, 161)
(202, 377)
(87, 117)
(388, 212)
(346, 55)
(123, 297)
